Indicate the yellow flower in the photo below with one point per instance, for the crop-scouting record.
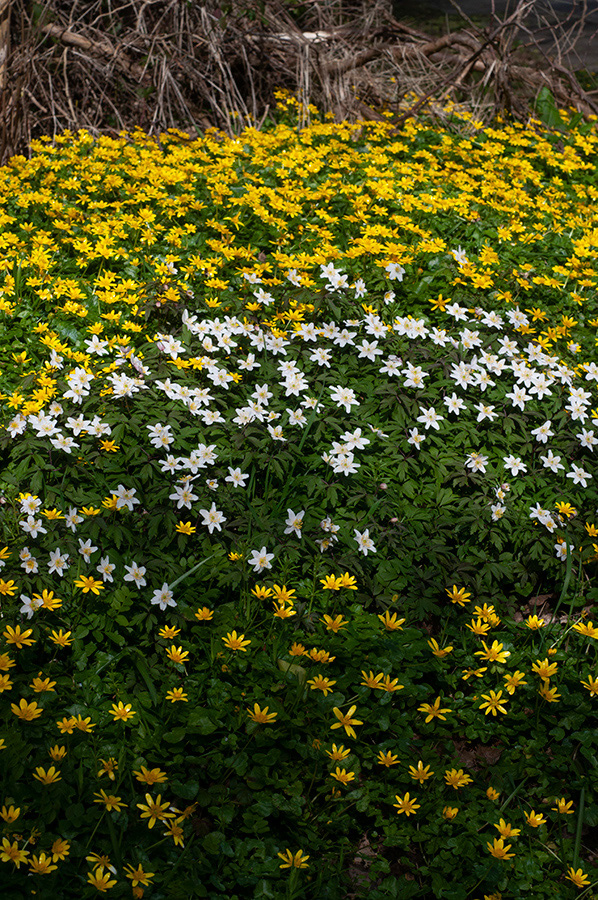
(406, 805)
(122, 711)
(261, 716)
(440, 652)
(544, 669)
(48, 600)
(331, 583)
(61, 638)
(154, 810)
(372, 681)
(493, 703)
(391, 622)
(10, 814)
(499, 850)
(177, 654)
(67, 725)
(512, 681)
(535, 819)
(457, 778)
(60, 849)
(391, 684)
(577, 876)
(296, 861)
(11, 853)
(337, 754)
(320, 683)
(478, 627)
(535, 623)
(169, 632)
(8, 588)
(26, 711)
(420, 773)
(342, 775)
(563, 806)
(6, 662)
(283, 594)
(17, 637)
(492, 794)
(586, 628)
(458, 595)
(234, 642)
(261, 592)
(109, 767)
(433, 710)
(150, 776)
(547, 693)
(85, 725)
(387, 759)
(57, 753)
(334, 624)
(297, 650)
(109, 446)
(110, 801)
(88, 583)
(176, 694)
(100, 879)
(49, 777)
(506, 830)
(204, 614)
(591, 685)
(185, 528)
(495, 653)
(137, 876)
(40, 685)
(346, 721)
(449, 812)
(5, 683)
(348, 581)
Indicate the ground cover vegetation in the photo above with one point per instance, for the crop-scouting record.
(299, 512)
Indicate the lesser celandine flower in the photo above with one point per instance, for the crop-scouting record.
(337, 754)
(407, 805)
(499, 849)
(577, 877)
(236, 642)
(292, 860)
(449, 812)
(150, 776)
(261, 716)
(122, 711)
(342, 775)
(204, 614)
(458, 595)
(346, 721)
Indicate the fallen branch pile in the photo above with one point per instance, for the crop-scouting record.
(162, 64)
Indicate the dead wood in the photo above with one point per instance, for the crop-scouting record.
(160, 64)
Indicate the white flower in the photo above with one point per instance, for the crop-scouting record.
(236, 477)
(260, 560)
(163, 597)
(514, 464)
(212, 518)
(578, 475)
(561, 549)
(498, 511)
(32, 526)
(344, 464)
(587, 439)
(454, 404)
(30, 505)
(171, 464)
(485, 412)
(543, 432)
(364, 541)
(369, 350)
(135, 573)
(125, 497)
(294, 522)
(518, 396)
(344, 396)
(106, 568)
(430, 418)
(29, 606)
(73, 519)
(183, 495)
(58, 562)
(552, 462)
(415, 438)
(86, 549)
(354, 440)
(395, 271)
(476, 462)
